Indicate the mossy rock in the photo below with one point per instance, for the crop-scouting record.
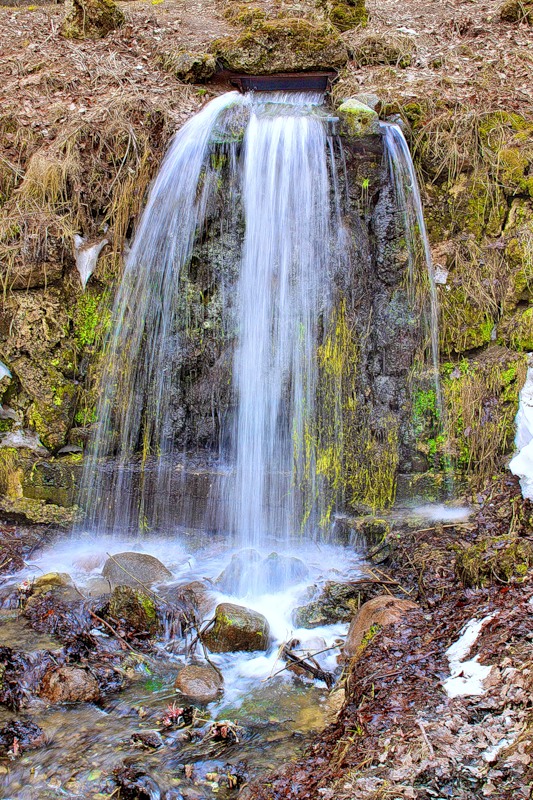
(494, 560)
(237, 628)
(282, 45)
(517, 330)
(134, 609)
(91, 19)
(517, 11)
(358, 119)
(348, 15)
(54, 481)
(244, 15)
(506, 139)
(189, 67)
(37, 512)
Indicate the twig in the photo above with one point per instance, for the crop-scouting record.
(425, 737)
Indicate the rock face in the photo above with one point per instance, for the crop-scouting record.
(202, 684)
(135, 610)
(135, 569)
(237, 628)
(371, 617)
(69, 685)
(282, 45)
(91, 19)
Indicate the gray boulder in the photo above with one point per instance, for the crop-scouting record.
(135, 569)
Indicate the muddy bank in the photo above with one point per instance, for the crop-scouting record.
(399, 733)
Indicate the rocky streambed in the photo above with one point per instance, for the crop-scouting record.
(152, 669)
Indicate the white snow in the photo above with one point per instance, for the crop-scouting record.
(467, 677)
(4, 371)
(87, 256)
(522, 464)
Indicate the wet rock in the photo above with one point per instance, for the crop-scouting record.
(151, 740)
(337, 602)
(91, 19)
(193, 596)
(247, 568)
(237, 571)
(135, 610)
(69, 685)
(20, 735)
(365, 530)
(280, 572)
(282, 45)
(372, 616)
(358, 119)
(135, 570)
(237, 628)
(201, 684)
(135, 783)
(51, 580)
(97, 587)
(55, 481)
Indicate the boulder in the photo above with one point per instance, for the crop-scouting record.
(135, 570)
(91, 19)
(237, 628)
(337, 602)
(51, 580)
(135, 610)
(69, 685)
(282, 45)
(190, 67)
(372, 616)
(194, 594)
(200, 684)
(273, 573)
(358, 119)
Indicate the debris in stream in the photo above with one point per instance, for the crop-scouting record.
(20, 735)
(224, 730)
(179, 716)
(149, 740)
(135, 783)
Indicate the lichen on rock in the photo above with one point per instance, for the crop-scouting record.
(358, 119)
(282, 45)
(91, 19)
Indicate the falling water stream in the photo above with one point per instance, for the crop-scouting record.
(284, 172)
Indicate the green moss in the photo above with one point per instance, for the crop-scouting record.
(91, 318)
(357, 118)
(517, 330)
(91, 19)
(499, 559)
(481, 400)
(348, 15)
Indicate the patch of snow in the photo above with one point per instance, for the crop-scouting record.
(467, 677)
(4, 371)
(440, 275)
(86, 256)
(491, 753)
(522, 464)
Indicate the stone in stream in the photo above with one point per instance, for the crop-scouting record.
(337, 602)
(202, 684)
(247, 568)
(372, 616)
(69, 685)
(135, 610)
(237, 628)
(135, 570)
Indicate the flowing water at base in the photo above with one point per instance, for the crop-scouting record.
(276, 712)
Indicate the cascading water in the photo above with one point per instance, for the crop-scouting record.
(283, 292)
(142, 362)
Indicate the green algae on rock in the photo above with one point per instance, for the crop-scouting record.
(91, 19)
(282, 45)
(358, 119)
(237, 628)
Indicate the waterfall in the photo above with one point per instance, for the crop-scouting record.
(421, 272)
(141, 365)
(283, 292)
